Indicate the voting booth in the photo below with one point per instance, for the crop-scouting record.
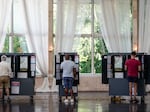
(59, 58)
(23, 67)
(113, 73)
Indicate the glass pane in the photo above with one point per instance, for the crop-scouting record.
(18, 17)
(97, 18)
(20, 45)
(83, 47)
(99, 50)
(84, 19)
(6, 45)
(18, 23)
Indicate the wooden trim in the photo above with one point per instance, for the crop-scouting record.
(50, 36)
(135, 12)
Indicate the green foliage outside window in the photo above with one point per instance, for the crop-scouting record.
(99, 50)
(82, 46)
(6, 45)
(19, 45)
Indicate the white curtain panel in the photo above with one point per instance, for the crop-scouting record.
(36, 17)
(144, 23)
(59, 26)
(5, 9)
(36, 30)
(65, 25)
(116, 24)
(144, 32)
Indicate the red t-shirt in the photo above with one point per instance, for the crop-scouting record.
(132, 67)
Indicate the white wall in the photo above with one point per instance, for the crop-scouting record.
(91, 83)
(87, 83)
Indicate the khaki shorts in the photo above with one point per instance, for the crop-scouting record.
(4, 80)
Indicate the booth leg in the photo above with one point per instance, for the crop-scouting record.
(60, 100)
(142, 99)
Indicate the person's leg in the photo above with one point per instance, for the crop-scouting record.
(130, 89)
(71, 93)
(66, 87)
(70, 88)
(1, 91)
(135, 90)
(66, 93)
(7, 86)
(1, 88)
(135, 79)
(7, 92)
(130, 80)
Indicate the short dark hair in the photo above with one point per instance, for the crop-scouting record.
(67, 57)
(133, 53)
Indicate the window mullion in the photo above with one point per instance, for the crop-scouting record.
(92, 37)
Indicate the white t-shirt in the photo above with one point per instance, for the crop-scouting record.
(5, 68)
(67, 66)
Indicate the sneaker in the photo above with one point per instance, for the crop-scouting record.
(7, 98)
(72, 100)
(66, 101)
(131, 99)
(135, 100)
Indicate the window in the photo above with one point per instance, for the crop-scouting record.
(19, 44)
(15, 39)
(88, 42)
(27, 30)
(82, 45)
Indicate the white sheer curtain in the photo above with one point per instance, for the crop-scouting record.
(66, 17)
(65, 25)
(36, 16)
(5, 9)
(144, 32)
(116, 24)
(144, 23)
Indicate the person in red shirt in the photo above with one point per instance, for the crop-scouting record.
(133, 66)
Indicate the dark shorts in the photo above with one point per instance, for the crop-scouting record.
(132, 79)
(68, 82)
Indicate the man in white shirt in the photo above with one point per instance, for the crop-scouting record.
(5, 71)
(69, 72)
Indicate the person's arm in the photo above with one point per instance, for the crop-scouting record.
(74, 72)
(125, 67)
(10, 71)
(74, 69)
(139, 68)
(61, 69)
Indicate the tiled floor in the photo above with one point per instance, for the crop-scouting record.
(87, 102)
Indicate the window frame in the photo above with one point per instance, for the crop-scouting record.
(92, 35)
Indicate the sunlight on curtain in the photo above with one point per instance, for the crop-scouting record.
(144, 23)
(116, 24)
(66, 16)
(65, 25)
(36, 17)
(144, 32)
(5, 10)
